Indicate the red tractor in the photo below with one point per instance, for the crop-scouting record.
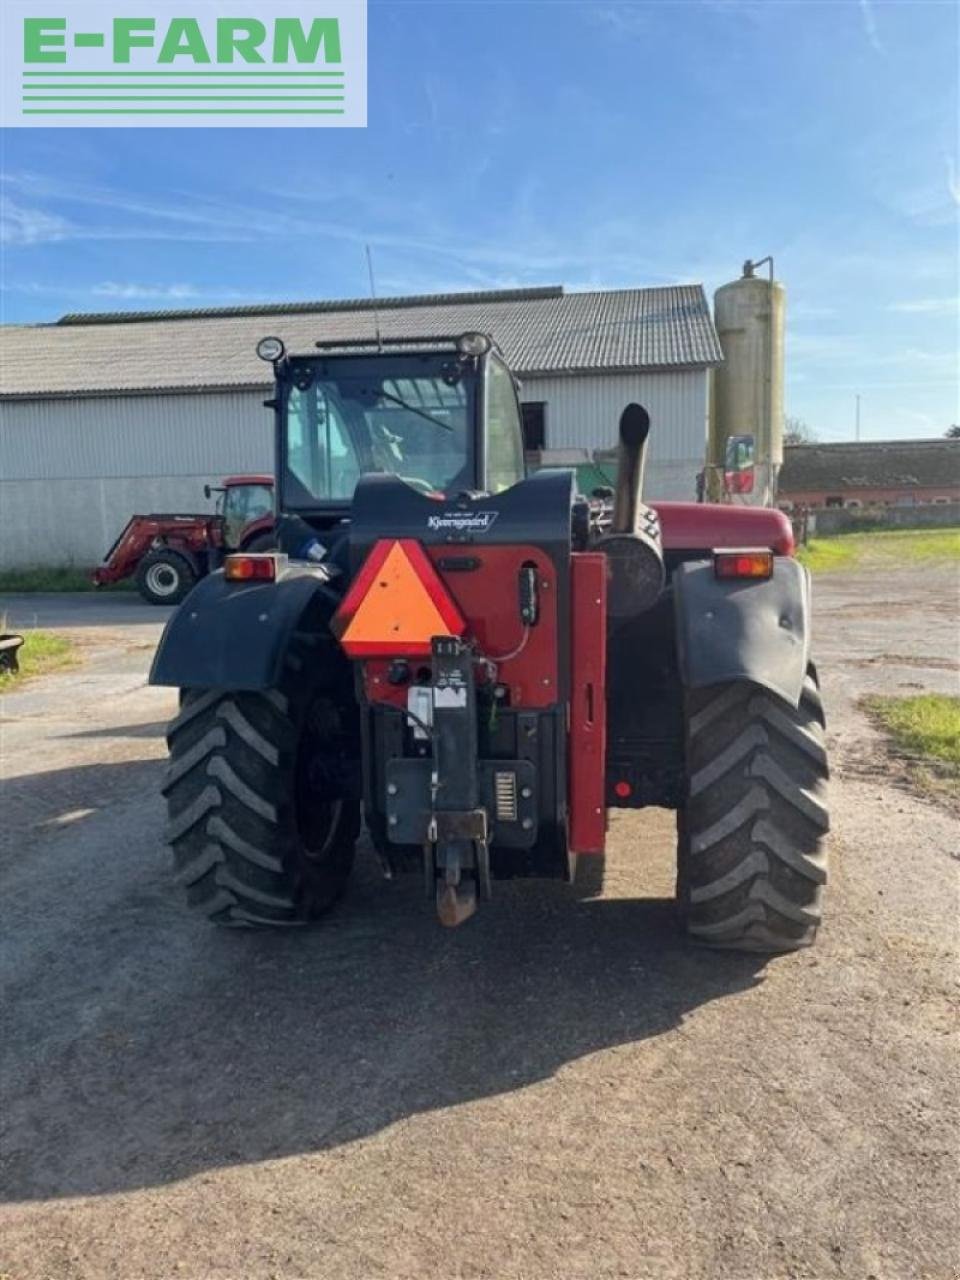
(480, 664)
(168, 554)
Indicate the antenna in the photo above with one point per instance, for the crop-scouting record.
(373, 295)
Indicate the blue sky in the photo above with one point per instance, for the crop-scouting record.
(597, 145)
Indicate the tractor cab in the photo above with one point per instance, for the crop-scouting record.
(242, 502)
(442, 414)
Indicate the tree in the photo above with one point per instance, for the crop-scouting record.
(796, 431)
(953, 433)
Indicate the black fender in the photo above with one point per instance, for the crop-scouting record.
(234, 635)
(744, 630)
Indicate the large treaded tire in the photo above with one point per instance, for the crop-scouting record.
(247, 845)
(165, 577)
(751, 850)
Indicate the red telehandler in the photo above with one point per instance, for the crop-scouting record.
(481, 664)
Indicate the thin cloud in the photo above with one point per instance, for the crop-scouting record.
(22, 225)
(186, 222)
(925, 306)
(624, 20)
(536, 257)
(870, 27)
(130, 291)
(751, 11)
(953, 182)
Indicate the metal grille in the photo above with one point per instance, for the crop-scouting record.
(505, 788)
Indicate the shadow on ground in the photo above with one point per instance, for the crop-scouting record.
(35, 803)
(74, 610)
(145, 1046)
(154, 729)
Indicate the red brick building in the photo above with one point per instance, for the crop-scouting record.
(877, 474)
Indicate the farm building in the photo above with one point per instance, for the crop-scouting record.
(105, 415)
(881, 473)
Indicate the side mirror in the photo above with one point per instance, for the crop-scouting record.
(739, 466)
(207, 491)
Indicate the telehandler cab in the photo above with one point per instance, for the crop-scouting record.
(483, 663)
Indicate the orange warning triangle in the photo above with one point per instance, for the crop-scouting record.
(396, 604)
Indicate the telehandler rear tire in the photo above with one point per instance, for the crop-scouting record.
(262, 824)
(751, 857)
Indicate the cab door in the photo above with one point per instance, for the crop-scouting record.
(503, 431)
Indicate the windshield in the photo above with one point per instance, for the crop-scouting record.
(242, 504)
(409, 417)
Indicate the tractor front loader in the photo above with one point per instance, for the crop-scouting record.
(480, 664)
(166, 554)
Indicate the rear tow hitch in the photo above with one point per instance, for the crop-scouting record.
(456, 854)
(456, 864)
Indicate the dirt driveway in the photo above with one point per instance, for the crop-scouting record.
(562, 1089)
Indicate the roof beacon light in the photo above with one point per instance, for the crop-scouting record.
(474, 344)
(271, 349)
(750, 562)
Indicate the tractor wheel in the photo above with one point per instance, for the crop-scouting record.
(751, 850)
(261, 816)
(266, 541)
(165, 577)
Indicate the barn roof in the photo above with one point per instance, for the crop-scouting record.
(882, 464)
(541, 331)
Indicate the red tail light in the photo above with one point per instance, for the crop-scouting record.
(747, 563)
(259, 568)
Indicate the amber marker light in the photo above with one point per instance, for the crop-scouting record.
(250, 568)
(743, 564)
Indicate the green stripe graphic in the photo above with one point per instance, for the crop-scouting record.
(182, 111)
(191, 90)
(189, 97)
(183, 73)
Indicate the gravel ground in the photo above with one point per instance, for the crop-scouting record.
(561, 1089)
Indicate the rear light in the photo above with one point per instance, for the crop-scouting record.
(743, 564)
(259, 568)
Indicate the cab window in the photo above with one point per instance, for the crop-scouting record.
(412, 418)
(320, 451)
(504, 435)
(243, 503)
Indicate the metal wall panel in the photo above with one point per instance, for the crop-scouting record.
(73, 471)
(135, 436)
(583, 411)
(72, 522)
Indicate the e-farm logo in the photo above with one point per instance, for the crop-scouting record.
(173, 62)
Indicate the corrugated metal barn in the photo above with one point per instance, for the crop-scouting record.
(102, 416)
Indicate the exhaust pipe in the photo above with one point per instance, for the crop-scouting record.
(635, 569)
(631, 460)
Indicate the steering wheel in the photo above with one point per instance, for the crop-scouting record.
(421, 486)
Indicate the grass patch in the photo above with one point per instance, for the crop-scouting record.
(925, 731)
(14, 581)
(926, 725)
(40, 653)
(883, 547)
(822, 555)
